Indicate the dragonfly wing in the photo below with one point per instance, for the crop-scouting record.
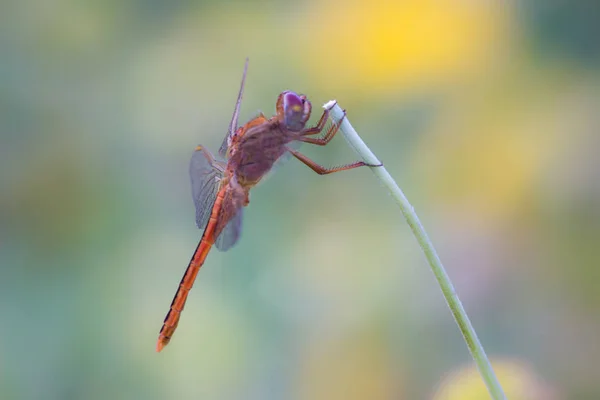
(231, 233)
(223, 148)
(236, 112)
(205, 175)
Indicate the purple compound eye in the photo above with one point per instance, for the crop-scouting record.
(296, 111)
(293, 100)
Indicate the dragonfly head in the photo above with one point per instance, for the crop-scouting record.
(294, 110)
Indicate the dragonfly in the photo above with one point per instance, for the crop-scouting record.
(221, 186)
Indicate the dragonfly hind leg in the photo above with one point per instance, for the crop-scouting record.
(321, 170)
(218, 165)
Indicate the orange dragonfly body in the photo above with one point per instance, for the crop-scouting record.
(221, 188)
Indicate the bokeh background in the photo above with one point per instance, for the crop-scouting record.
(487, 114)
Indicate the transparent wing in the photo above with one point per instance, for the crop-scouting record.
(205, 175)
(231, 233)
(223, 148)
(236, 112)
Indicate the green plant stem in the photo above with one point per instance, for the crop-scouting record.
(481, 360)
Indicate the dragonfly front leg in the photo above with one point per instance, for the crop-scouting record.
(319, 127)
(321, 170)
(333, 129)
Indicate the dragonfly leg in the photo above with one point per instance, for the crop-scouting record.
(218, 165)
(333, 129)
(321, 170)
(319, 127)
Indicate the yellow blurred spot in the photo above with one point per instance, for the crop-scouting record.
(388, 44)
(492, 172)
(519, 381)
(489, 148)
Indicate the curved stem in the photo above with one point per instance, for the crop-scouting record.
(459, 313)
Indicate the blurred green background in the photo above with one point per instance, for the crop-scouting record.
(486, 113)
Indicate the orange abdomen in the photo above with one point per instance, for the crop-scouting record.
(178, 303)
